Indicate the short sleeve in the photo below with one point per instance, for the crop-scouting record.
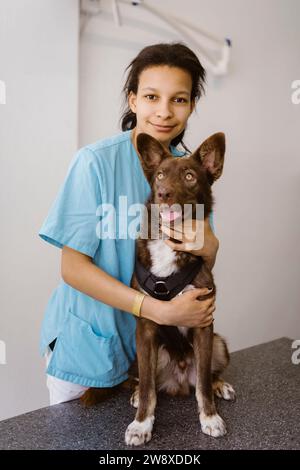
(72, 219)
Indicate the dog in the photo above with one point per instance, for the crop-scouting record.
(175, 359)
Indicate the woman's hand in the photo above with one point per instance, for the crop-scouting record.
(186, 310)
(196, 237)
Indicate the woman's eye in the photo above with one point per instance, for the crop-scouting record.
(189, 176)
(181, 100)
(154, 97)
(160, 175)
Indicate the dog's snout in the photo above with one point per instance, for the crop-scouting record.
(164, 194)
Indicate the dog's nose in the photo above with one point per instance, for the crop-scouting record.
(164, 194)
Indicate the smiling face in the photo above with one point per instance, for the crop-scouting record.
(162, 103)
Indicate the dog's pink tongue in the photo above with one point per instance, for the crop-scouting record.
(168, 215)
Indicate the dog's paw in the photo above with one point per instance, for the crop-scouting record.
(212, 425)
(138, 432)
(224, 390)
(134, 399)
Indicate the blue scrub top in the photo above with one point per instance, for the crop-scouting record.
(95, 342)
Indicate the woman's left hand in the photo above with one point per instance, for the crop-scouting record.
(196, 237)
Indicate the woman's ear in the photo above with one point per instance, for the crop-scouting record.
(193, 104)
(132, 101)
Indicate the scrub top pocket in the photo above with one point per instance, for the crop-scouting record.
(79, 351)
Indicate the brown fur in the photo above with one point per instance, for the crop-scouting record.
(96, 395)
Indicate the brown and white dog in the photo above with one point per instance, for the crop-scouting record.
(175, 359)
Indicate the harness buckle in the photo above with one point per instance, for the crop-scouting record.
(160, 288)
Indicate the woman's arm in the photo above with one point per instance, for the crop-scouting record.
(80, 272)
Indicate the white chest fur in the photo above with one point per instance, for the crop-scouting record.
(164, 264)
(163, 258)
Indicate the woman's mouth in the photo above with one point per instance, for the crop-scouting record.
(162, 128)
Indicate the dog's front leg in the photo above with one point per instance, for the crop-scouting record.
(211, 423)
(140, 430)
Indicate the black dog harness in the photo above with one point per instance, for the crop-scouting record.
(165, 288)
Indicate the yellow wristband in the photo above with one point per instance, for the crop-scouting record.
(137, 303)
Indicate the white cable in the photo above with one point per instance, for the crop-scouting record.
(116, 12)
(216, 67)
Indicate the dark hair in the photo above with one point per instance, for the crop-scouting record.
(173, 55)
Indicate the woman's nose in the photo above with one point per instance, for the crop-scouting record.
(163, 110)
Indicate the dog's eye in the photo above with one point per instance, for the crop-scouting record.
(160, 175)
(189, 176)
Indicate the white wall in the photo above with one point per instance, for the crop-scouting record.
(256, 213)
(38, 137)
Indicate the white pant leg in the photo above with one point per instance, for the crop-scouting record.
(61, 391)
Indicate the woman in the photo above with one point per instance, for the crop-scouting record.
(88, 333)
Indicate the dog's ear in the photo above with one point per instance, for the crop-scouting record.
(152, 153)
(211, 154)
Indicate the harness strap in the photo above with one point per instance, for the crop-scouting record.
(165, 288)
